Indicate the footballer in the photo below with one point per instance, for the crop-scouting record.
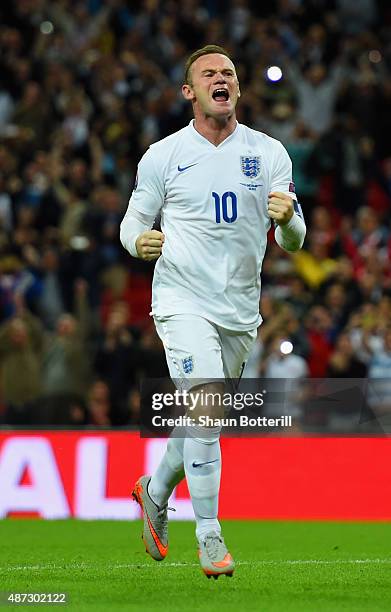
(218, 186)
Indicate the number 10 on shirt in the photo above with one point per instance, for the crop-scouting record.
(226, 206)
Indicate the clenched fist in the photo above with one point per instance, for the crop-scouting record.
(149, 245)
(280, 207)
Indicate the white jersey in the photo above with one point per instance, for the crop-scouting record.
(213, 206)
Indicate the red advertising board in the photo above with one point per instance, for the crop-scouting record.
(90, 475)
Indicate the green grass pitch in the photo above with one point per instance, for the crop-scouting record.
(281, 566)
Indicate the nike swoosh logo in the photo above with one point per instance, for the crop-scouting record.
(185, 167)
(159, 545)
(196, 465)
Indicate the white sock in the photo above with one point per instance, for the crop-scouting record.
(202, 462)
(169, 472)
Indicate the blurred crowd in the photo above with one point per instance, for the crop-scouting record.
(85, 87)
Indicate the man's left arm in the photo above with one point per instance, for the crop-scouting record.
(283, 206)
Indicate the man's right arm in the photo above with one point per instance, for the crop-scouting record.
(145, 203)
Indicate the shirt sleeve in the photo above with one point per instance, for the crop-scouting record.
(281, 179)
(148, 193)
(289, 237)
(144, 204)
(134, 224)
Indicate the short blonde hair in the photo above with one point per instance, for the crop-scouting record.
(207, 50)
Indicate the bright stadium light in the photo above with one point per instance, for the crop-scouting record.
(274, 73)
(286, 347)
(46, 27)
(375, 56)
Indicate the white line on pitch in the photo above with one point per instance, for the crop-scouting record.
(87, 566)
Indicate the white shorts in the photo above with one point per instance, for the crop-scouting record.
(199, 349)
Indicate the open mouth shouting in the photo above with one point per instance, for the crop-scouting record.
(220, 94)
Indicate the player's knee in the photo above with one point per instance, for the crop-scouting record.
(204, 435)
(208, 402)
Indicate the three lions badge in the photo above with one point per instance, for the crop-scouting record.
(251, 166)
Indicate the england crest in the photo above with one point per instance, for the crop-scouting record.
(251, 166)
(187, 364)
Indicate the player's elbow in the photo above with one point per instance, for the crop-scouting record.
(295, 245)
(127, 238)
(122, 234)
(289, 248)
(291, 238)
